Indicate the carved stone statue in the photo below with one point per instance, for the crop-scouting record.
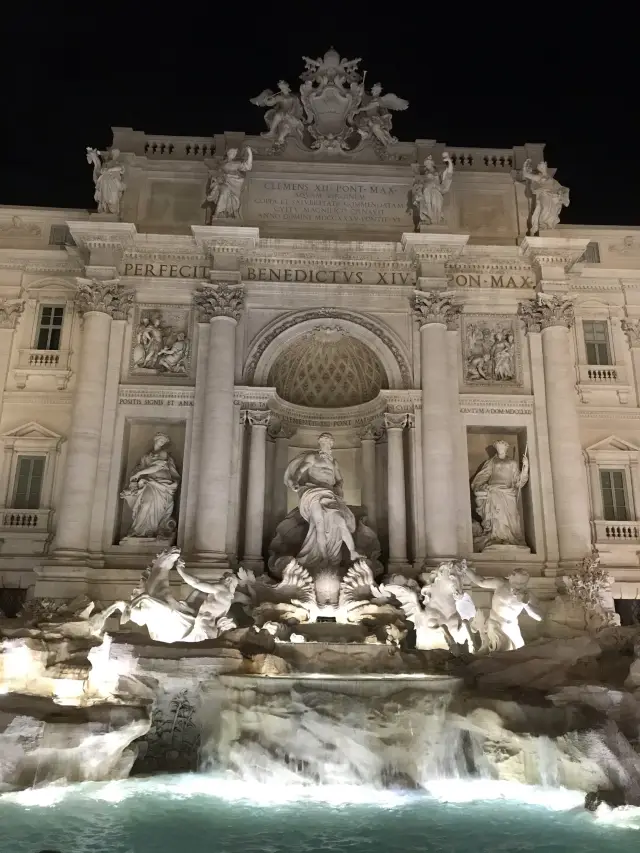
(490, 353)
(285, 116)
(591, 591)
(373, 116)
(160, 347)
(108, 176)
(550, 196)
(427, 192)
(151, 493)
(443, 620)
(500, 631)
(169, 620)
(496, 488)
(225, 187)
(316, 478)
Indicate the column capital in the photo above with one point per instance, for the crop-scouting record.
(258, 417)
(631, 328)
(105, 297)
(219, 300)
(395, 420)
(371, 432)
(280, 429)
(10, 312)
(545, 311)
(434, 307)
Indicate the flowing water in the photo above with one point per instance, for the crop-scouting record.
(213, 813)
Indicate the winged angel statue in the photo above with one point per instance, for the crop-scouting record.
(284, 117)
(333, 111)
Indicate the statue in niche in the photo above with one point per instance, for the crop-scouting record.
(496, 489)
(108, 177)
(285, 116)
(500, 630)
(159, 348)
(225, 186)
(490, 353)
(151, 493)
(550, 197)
(373, 116)
(427, 193)
(316, 478)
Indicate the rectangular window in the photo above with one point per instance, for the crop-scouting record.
(59, 235)
(614, 495)
(28, 482)
(50, 327)
(596, 341)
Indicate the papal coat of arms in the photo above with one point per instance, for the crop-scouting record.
(333, 112)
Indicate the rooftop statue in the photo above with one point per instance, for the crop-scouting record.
(550, 197)
(333, 112)
(225, 186)
(108, 176)
(428, 191)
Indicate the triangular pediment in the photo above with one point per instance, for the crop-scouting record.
(32, 430)
(613, 444)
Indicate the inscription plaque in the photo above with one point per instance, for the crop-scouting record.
(333, 202)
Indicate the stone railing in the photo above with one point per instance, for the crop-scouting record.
(617, 532)
(603, 374)
(483, 159)
(43, 362)
(25, 519)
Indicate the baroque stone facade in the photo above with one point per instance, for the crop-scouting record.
(322, 302)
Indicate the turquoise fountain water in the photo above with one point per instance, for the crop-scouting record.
(204, 813)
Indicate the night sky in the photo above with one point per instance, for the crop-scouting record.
(475, 78)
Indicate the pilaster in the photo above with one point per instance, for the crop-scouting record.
(10, 312)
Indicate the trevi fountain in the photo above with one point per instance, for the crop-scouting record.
(322, 552)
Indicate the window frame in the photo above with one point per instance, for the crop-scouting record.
(20, 458)
(625, 492)
(50, 328)
(597, 344)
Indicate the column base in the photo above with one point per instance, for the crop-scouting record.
(253, 564)
(401, 567)
(214, 560)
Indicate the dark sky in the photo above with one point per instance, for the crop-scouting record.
(482, 77)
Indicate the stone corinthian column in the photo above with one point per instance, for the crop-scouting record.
(436, 312)
(397, 509)
(553, 316)
(368, 437)
(254, 517)
(99, 302)
(220, 305)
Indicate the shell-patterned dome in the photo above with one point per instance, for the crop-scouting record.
(327, 369)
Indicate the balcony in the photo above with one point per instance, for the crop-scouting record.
(603, 384)
(617, 532)
(43, 363)
(25, 531)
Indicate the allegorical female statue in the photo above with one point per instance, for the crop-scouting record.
(428, 191)
(151, 492)
(223, 197)
(108, 176)
(550, 195)
(496, 489)
(317, 480)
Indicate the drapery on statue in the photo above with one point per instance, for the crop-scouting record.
(225, 188)
(315, 477)
(373, 116)
(285, 116)
(151, 492)
(108, 176)
(550, 195)
(426, 196)
(496, 489)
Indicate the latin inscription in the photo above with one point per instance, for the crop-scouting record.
(323, 276)
(489, 280)
(333, 202)
(166, 270)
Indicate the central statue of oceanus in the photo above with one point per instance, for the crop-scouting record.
(316, 478)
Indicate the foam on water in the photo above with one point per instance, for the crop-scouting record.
(215, 812)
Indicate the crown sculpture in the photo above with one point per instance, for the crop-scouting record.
(332, 112)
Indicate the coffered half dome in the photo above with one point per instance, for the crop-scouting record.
(327, 368)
